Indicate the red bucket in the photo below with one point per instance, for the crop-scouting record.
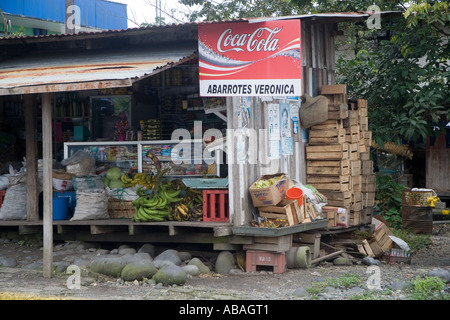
(295, 194)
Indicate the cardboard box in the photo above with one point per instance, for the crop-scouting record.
(337, 217)
(272, 195)
(337, 93)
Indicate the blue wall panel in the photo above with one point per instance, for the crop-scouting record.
(110, 15)
(94, 13)
(87, 12)
(15, 7)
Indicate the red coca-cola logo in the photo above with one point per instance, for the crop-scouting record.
(261, 39)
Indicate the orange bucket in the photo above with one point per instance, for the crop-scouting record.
(295, 194)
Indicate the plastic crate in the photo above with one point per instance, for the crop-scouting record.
(2, 196)
(215, 205)
(255, 258)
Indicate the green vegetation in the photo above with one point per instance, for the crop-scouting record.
(344, 281)
(428, 288)
(388, 196)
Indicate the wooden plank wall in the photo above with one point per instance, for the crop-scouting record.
(318, 57)
(438, 166)
(318, 69)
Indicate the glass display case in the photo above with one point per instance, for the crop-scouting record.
(182, 159)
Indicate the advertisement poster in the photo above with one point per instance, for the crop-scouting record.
(250, 59)
(274, 121)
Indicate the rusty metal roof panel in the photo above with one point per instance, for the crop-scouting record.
(48, 71)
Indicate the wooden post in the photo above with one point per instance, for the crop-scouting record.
(47, 183)
(31, 157)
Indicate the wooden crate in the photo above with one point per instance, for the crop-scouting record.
(367, 215)
(329, 125)
(120, 208)
(368, 183)
(327, 152)
(368, 199)
(364, 155)
(367, 167)
(355, 167)
(416, 198)
(274, 244)
(367, 137)
(352, 120)
(356, 183)
(337, 111)
(338, 199)
(337, 216)
(328, 167)
(333, 136)
(380, 243)
(364, 123)
(288, 210)
(356, 201)
(353, 151)
(355, 217)
(362, 107)
(336, 183)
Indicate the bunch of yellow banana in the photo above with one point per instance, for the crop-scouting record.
(431, 201)
(141, 178)
(184, 213)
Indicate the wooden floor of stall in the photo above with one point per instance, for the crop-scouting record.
(126, 230)
(218, 235)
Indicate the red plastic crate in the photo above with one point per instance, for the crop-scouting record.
(255, 258)
(215, 205)
(2, 196)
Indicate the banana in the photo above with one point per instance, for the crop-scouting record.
(142, 214)
(125, 178)
(183, 212)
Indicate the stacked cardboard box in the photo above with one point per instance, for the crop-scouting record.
(338, 156)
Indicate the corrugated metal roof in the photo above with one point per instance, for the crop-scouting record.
(317, 16)
(88, 70)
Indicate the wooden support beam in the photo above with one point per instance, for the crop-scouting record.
(31, 156)
(47, 183)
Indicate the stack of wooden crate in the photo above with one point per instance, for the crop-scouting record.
(338, 156)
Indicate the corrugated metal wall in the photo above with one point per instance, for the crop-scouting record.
(94, 13)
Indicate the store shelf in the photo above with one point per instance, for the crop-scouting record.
(100, 151)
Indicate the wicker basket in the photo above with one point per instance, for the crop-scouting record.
(120, 209)
(416, 198)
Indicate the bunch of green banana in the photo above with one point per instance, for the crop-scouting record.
(155, 207)
(151, 208)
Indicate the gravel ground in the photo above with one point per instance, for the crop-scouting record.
(25, 278)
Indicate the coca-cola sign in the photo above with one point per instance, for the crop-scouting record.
(250, 59)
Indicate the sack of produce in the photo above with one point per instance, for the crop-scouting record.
(92, 204)
(87, 182)
(14, 206)
(62, 181)
(80, 164)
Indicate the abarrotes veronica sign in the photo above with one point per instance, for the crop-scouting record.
(250, 59)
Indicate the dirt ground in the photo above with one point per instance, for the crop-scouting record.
(261, 285)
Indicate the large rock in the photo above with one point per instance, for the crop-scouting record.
(341, 261)
(203, 269)
(8, 262)
(138, 270)
(110, 266)
(170, 255)
(191, 269)
(441, 273)
(147, 248)
(170, 275)
(225, 262)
